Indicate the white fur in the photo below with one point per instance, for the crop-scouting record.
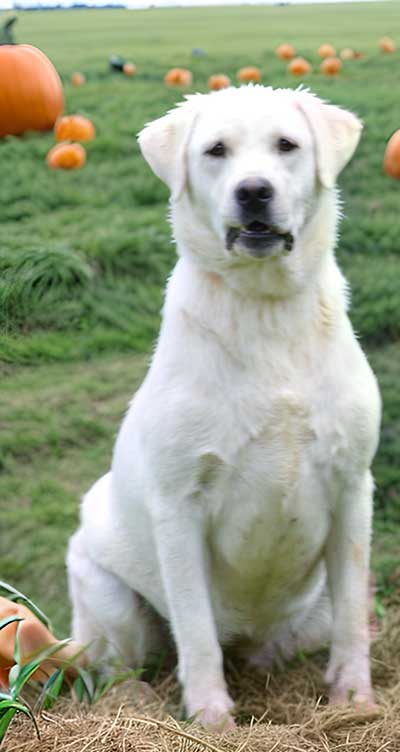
(239, 500)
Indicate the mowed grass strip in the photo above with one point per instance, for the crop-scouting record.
(58, 426)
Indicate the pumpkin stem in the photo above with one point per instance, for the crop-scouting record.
(6, 31)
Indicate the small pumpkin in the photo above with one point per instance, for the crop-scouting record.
(74, 128)
(129, 69)
(78, 79)
(66, 156)
(33, 638)
(299, 66)
(178, 77)
(387, 44)
(285, 51)
(391, 159)
(326, 50)
(331, 66)
(218, 81)
(30, 88)
(249, 74)
(347, 53)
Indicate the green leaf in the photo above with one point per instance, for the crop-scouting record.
(79, 688)
(5, 721)
(6, 704)
(103, 685)
(27, 671)
(88, 683)
(12, 678)
(15, 595)
(53, 688)
(9, 620)
(17, 650)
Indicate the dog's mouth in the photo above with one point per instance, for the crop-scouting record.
(259, 238)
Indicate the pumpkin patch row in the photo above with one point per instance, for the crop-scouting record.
(331, 65)
(297, 66)
(32, 86)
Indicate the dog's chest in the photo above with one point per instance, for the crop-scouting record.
(268, 497)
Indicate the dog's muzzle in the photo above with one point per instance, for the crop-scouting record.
(256, 233)
(259, 239)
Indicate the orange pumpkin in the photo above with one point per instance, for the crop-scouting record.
(31, 93)
(218, 81)
(78, 79)
(387, 44)
(249, 74)
(391, 160)
(330, 66)
(129, 69)
(326, 50)
(33, 637)
(74, 128)
(66, 156)
(178, 77)
(285, 51)
(347, 53)
(299, 66)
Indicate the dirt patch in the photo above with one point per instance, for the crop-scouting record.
(283, 712)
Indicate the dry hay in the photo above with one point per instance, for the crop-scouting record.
(135, 717)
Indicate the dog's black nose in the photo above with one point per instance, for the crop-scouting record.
(254, 193)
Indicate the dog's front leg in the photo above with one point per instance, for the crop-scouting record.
(181, 550)
(348, 552)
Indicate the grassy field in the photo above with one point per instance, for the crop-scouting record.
(84, 256)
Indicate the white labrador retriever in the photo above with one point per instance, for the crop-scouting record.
(238, 506)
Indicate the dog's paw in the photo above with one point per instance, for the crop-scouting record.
(343, 693)
(213, 711)
(350, 683)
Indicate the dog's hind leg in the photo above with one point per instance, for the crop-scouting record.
(116, 625)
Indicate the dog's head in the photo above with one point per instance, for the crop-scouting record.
(246, 166)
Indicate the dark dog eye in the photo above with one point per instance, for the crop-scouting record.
(285, 145)
(218, 150)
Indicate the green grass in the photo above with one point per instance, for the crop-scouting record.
(84, 255)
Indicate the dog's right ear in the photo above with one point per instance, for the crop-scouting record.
(164, 142)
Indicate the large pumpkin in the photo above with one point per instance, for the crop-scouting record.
(31, 94)
(391, 162)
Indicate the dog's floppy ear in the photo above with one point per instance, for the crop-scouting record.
(163, 143)
(336, 135)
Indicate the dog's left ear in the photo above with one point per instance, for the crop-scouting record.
(163, 143)
(336, 135)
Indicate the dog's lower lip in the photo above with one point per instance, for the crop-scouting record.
(259, 232)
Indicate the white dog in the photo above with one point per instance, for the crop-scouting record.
(238, 505)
